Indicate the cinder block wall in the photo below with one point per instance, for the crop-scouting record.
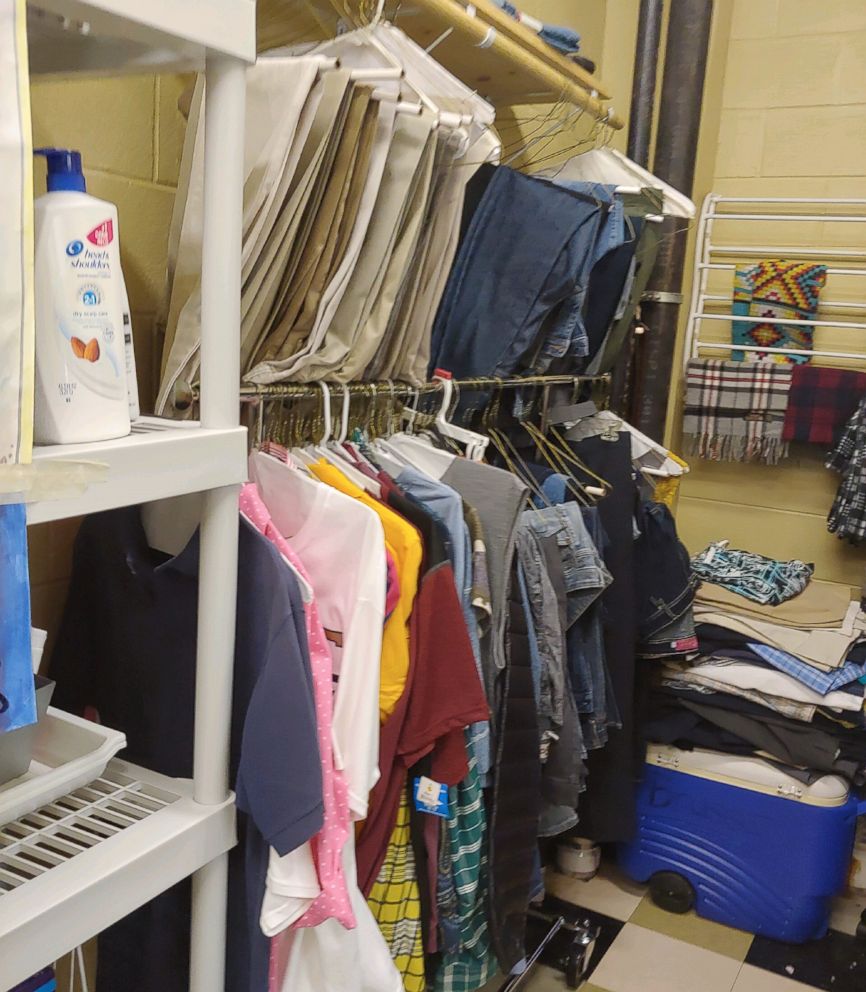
(130, 135)
(793, 107)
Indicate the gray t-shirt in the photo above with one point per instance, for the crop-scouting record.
(498, 497)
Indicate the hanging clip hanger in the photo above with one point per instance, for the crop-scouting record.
(476, 444)
(410, 410)
(326, 413)
(344, 416)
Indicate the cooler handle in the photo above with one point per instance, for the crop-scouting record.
(861, 807)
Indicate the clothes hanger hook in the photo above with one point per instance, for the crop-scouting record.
(392, 405)
(326, 412)
(344, 416)
(447, 392)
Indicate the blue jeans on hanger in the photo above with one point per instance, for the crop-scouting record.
(522, 257)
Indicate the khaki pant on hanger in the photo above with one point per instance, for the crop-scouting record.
(317, 253)
(391, 346)
(374, 329)
(404, 155)
(261, 296)
(271, 125)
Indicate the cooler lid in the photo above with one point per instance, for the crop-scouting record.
(749, 773)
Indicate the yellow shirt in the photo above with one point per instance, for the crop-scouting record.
(404, 542)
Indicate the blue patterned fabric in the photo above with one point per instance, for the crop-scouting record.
(814, 678)
(763, 580)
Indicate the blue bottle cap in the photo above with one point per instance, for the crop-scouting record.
(64, 169)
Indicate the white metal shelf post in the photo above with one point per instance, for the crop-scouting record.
(220, 375)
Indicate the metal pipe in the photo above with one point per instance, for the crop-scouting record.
(403, 389)
(841, 218)
(688, 41)
(643, 88)
(822, 304)
(640, 126)
(856, 325)
(784, 251)
(730, 266)
(729, 346)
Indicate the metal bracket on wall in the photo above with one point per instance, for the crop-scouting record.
(661, 296)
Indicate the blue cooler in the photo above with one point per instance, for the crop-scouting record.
(742, 842)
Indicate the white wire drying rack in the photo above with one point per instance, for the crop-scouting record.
(713, 246)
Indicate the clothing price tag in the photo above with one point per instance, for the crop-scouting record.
(431, 797)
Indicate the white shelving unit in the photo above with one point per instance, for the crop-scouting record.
(109, 848)
(158, 460)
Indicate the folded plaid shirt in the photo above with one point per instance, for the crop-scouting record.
(822, 682)
(820, 402)
(735, 411)
(763, 580)
(847, 517)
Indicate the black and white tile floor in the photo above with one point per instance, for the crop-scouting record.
(645, 949)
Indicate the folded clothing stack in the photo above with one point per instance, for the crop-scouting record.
(784, 682)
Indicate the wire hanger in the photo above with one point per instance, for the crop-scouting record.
(556, 444)
(510, 455)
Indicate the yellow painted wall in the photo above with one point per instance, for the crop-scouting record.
(542, 136)
(791, 121)
(130, 134)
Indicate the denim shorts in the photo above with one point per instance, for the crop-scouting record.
(585, 578)
(583, 569)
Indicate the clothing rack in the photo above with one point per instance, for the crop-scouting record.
(500, 58)
(405, 390)
(259, 396)
(743, 211)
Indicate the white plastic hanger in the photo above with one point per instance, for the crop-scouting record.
(607, 165)
(338, 460)
(418, 451)
(476, 444)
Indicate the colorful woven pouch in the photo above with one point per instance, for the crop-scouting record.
(777, 290)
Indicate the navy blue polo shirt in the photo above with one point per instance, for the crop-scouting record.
(126, 647)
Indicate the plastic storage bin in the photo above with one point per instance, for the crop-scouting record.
(745, 844)
(16, 746)
(68, 752)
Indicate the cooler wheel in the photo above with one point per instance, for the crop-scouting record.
(672, 892)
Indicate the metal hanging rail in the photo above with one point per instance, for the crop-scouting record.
(751, 208)
(405, 390)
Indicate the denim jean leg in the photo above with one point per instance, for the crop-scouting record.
(504, 282)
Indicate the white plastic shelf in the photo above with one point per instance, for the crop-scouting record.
(75, 866)
(161, 458)
(108, 36)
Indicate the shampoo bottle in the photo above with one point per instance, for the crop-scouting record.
(81, 360)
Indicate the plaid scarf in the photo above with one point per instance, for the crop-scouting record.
(735, 410)
(847, 517)
(821, 401)
(776, 289)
